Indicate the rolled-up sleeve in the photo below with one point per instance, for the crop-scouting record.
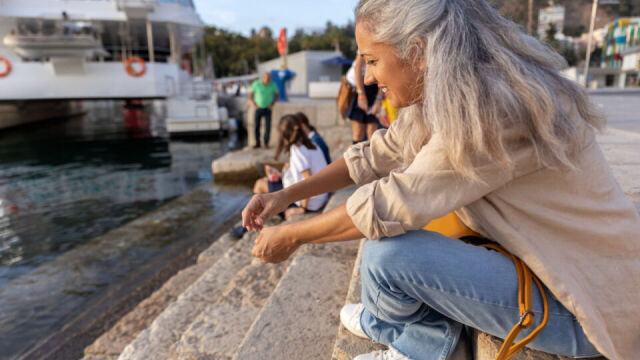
(429, 188)
(374, 159)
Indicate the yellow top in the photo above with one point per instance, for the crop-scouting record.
(392, 113)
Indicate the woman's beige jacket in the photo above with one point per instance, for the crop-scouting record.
(574, 228)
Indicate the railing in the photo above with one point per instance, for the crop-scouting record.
(135, 4)
(197, 89)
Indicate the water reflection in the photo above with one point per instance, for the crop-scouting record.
(63, 182)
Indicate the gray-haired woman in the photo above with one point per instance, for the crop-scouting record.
(488, 129)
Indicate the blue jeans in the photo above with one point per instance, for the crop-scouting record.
(420, 288)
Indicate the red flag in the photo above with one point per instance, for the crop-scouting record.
(282, 41)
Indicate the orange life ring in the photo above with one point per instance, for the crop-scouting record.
(7, 67)
(128, 65)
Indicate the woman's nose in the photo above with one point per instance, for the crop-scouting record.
(369, 79)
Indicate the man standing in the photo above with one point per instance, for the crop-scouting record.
(263, 95)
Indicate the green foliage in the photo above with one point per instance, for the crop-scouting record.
(234, 54)
(550, 35)
(332, 37)
(566, 51)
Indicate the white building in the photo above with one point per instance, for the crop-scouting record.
(309, 69)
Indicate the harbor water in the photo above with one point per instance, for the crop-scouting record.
(64, 182)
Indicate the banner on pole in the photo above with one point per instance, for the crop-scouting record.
(282, 42)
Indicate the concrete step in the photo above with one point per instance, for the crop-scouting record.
(211, 317)
(156, 341)
(218, 330)
(299, 319)
(112, 343)
(486, 347)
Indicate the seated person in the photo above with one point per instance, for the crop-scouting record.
(306, 158)
(312, 133)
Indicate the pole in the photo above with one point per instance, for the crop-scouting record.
(530, 19)
(594, 10)
(151, 50)
(173, 46)
(203, 59)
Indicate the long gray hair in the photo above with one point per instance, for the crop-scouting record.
(483, 75)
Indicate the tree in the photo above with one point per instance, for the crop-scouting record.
(234, 54)
(550, 36)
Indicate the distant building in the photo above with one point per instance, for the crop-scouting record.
(550, 15)
(621, 53)
(308, 67)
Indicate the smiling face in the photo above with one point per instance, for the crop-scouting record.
(401, 81)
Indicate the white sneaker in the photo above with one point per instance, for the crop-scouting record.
(390, 354)
(350, 318)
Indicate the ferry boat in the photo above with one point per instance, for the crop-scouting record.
(100, 49)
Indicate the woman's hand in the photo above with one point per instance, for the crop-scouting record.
(275, 244)
(363, 103)
(261, 208)
(377, 106)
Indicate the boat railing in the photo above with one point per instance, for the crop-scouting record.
(197, 89)
(135, 3)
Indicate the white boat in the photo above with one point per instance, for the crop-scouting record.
(106, 49)
(54, 46)
(78, 49)
(196, 112)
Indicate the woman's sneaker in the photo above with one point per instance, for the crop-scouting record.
(390, 354)
(350, 318)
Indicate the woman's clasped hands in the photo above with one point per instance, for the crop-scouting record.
(274, 244)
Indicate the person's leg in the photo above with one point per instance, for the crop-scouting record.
(371, 128)
(267, 127)
(261, 186)
(256, 124)
(419, 288)
(357, 130)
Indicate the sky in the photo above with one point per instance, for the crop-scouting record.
(242, 15)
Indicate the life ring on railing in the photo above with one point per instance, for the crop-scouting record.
(128, 65)
(7, 67)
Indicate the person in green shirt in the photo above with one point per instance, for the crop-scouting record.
(263, 95)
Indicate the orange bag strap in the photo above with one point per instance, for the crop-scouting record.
(525, 300)
(451, 226)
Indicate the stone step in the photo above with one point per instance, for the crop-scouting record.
(218, 330)
(156, 341)
(486, 347)
(298, 320)
(211, 317)
(112, 343)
